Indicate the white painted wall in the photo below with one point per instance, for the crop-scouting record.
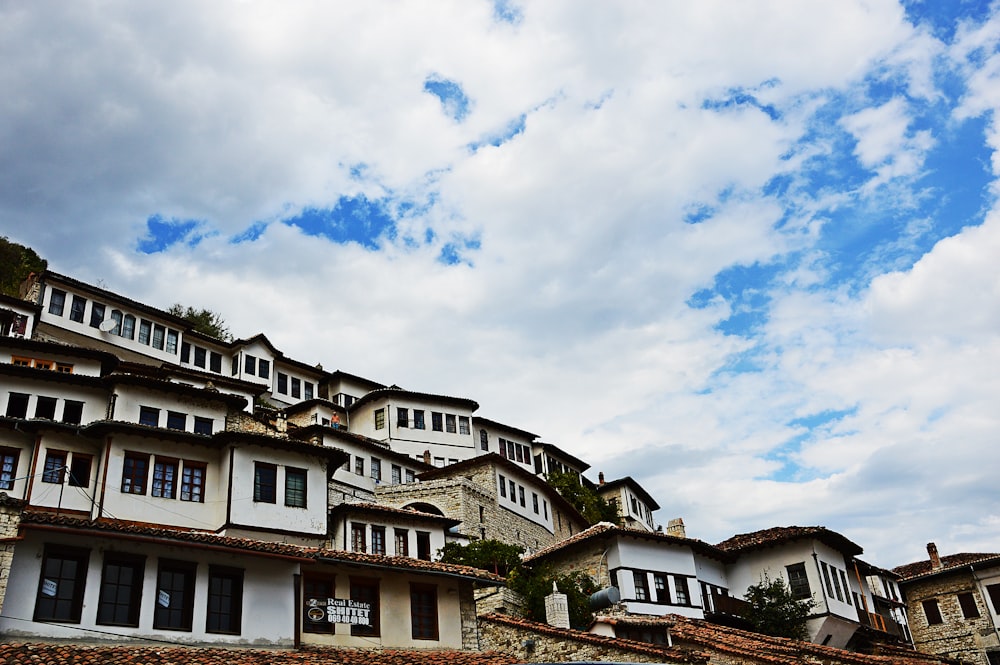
(655, 557)
(268, 593)
(527, 511)
(411, 441)
(246, 511)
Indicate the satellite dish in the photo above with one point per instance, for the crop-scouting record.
(107, 325)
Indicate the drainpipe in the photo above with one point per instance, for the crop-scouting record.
(297, 621)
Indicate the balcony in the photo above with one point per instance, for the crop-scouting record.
(882, 624)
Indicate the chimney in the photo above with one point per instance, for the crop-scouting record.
(600, 478)
(557, 608)
(675, 527)
(281, 422)
(427, 457)
(935, 557)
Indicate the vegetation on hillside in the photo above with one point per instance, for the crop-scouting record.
(593, 508)
(16, 263)
(774, 611)
(203, 320)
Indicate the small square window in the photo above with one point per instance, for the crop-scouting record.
(215, 362)
(55, 464)
(176, 420)
(45, 407)
(436, 421)
(149, 416)
(418, 419)
(264, 368)
(932, 612)
(295, 487)
(134, 472)
(193, 482)
(79, 470)
(17, 405)
(96, 315)
(57, 301)
(200, 355)
(202, 425)
(72, 412)
(164, 478)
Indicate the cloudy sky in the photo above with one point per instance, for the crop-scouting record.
(747, 253)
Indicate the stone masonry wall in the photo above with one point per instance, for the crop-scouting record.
(956, 636)
(10, 520)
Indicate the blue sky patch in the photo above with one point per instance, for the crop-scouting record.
(506, 11)
(353, 219)
(739, 97)
(457, 251)
(163, 233)
(454, 101)
(512, 129)
(252, 233)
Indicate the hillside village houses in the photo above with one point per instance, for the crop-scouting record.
(159, 483)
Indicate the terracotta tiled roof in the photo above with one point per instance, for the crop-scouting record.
(948, 564)
(10, 501)
(415, 565)
(36, 654)
(606, 529)
(784, 534)
(43, 519)
(389, 511)
(395, 391)
(766, 649)
(663, 653)
(479, 420)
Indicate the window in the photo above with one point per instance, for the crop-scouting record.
(128, 326)
(359, 465)
(282, 383)
(134, 471)
(225, 600)
(932, 612)
(968, 604)
(201, 354)
(357, 537)
(534, 502)
(402, 417)
(61, 584)
(503, 487)
(826, 578)
(45, 407)
(397, 474)
(424, 545)
(639, 582)
(307, 390)
(72, 411)
(436, 421)
(158, 333)
(418, 419)
(423, 611)
(520, 495)
(144, 328)
(172, 342)
(380, 419)
(55, 462)
(513, 490)
(365, 590)
(121, 590)
(378, 539)
(836, 585)
(215, 362)
(315, 592)
(296, 388)
(484, 440)
(57, 301)
(193, 482)
(402, 542)
(77, 308)
(79, 470)
(376, 469)
(174, 595)
(116, 316)
(681, 588)
(96, 315)
(545, 508)
(17, 405)
(994, 592)
(176, 420)
(164, 478)
(185, 352)
(202, 425)
(449, 423)
(410, 476)
(463, 425)
(662, 590)
(149, 416)
(8, 467)
(847, 589)
(798, 581)
(265, 482)
(295, 487)
(264, 368)
(250, 364)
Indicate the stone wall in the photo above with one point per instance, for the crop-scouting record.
(470, 622)
(538, 643)
(10, 521)
(956, 636)
(499, 600)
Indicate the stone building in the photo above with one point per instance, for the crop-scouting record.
(954, 604)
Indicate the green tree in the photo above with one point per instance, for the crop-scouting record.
(593, 508)
(203, 320)
(773, 610)
(492, 555)
(16, 263)
(534, 584)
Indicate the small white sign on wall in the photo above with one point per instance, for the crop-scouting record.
(163, 598)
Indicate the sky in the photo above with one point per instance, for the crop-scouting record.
(746, 253)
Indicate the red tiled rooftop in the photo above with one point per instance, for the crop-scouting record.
(949, 562)
(41, 654)
(608, 529)
(784, 534)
